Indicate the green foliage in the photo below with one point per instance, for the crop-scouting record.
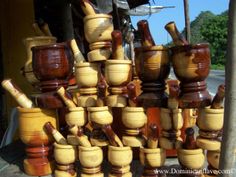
(214, 31)
(203, 17)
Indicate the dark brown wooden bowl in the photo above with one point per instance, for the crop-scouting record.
(52, 62)
(191, 63)
(152, 64)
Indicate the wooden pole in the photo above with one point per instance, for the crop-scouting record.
(187, 21)
(228, 147)
(115, 14)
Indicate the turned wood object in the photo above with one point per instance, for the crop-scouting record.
(120, 159)
(99, 117)
(45, 29)
(190, 142)
(52, 65)
(17, 94)
(117, 48)
(174, 90)
(78, 56)
(213, 159)
(98, 28)
(171, 123)
(134, 119)
(102, 89)
(177, 37)
(87, 7)
(117, 73)
(55, 133)
(152, 160)
(152, 141)
(191, 157)
(65, 157)
(38, 161)
(45, 60)
(91, 159)
(114, 140)
(132, 95)
(78, 132)
(218, 99)
(37, 30)
(191, 64)
(87, 77)
(152, 65)
(210, 122)
(143, 29)
(66, 97)
(30, 42)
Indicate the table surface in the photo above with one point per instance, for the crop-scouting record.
(11, 163)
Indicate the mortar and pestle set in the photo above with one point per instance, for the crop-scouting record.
(48, 66)
(190, 156)
(152, 63)
(39, 160)
(152, 157)
(77, 145)
(98, 28)
(90, 156)
(191, 63)
(210, 122)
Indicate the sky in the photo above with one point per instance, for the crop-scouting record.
(159, 20)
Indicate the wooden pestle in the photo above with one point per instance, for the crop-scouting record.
(152, 141)
(114, 140)
(190, 142)
(131, 88)
(79, 134)
(217, 102)
(55, 133)
(76, 52)
(117, 48)
(101, 93)
(45, 29)
(66, 97)
(87, 7)
(174, 90)
(37, 30)
(178, 39)
(17, 94)
(146, 37)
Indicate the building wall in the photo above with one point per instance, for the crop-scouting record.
(16, 18)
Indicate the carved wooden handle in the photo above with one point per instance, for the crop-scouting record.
(218, 99)
(178, 39)
(66, 97)
(174, 90)
(145, 33)
(76, 51)
(37, 30)
(114, 140)
(117, 48)
(78, 132)
(153, 137)
(190, 142)
(45, 29)
(101, 93)
(87, 7)
(17, 94)
(132, 95)
(56, 134)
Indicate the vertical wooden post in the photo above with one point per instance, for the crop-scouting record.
(228, 147)
(187, 21)
(115, 14)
